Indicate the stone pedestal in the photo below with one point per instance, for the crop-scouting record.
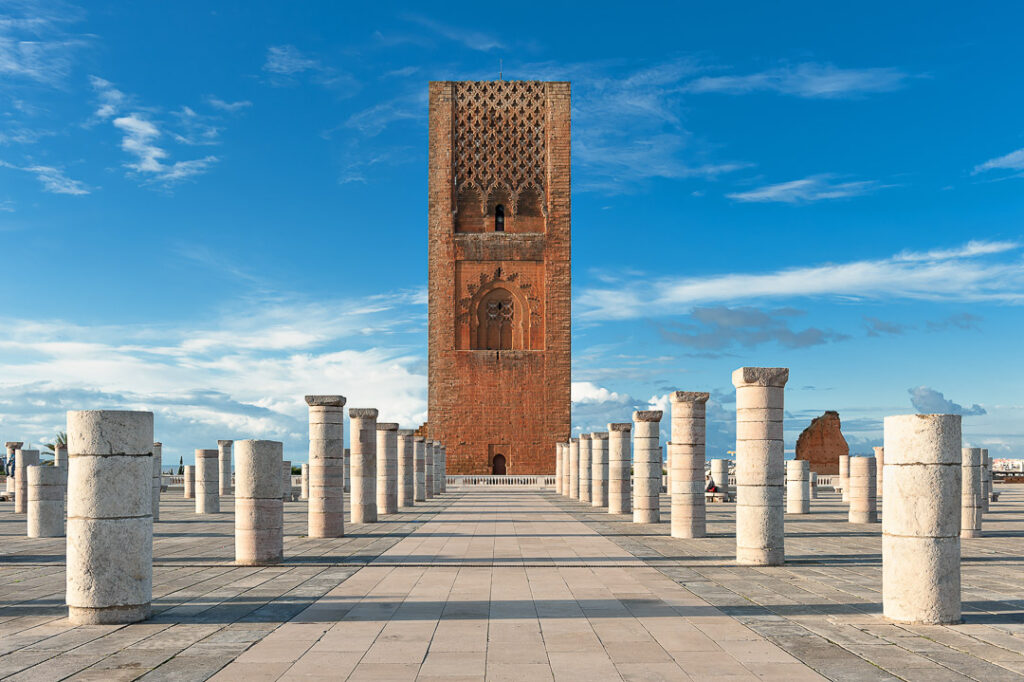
(814, 486)
(558, 468)
(304, 481)
(110, 525)
(12, 447)
(986, 479)
(565, 469)
(599, 469)
(438, 475)
(60, 458)
(259, 511)
(325, 514)
(188, 482)
(686, 461)
(921, 519)
(574, 468)
(444, 467)
(286, 480)
(844, 477)
(879, 469)
(158, 463)
(972, 493)
(720, 474)
(585, 467)
(363, 422)
(620, 460)
(207, 482)
(863, 493)
(760, 512)
(23, 459)
(348, 469)
(224, 466)
(45, 502)
(428, 464)
(646, 466)
(420, 480)
(387, 468)
(406, 468)
(798, 486)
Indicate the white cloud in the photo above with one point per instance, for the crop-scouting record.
(140, 135)
(474, 40)
(53, 179)
(230, 107)
(586, 392)
(962, 274)
(810, 80)
(1012, 161)
(111, 101)
(806, 190)
(288, 61)
(34, 44)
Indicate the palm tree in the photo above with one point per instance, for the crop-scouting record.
(181, 466)
(62, 440)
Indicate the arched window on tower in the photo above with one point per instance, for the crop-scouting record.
(499, 218)
(495, 320)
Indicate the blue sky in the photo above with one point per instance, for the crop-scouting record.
(210, 210)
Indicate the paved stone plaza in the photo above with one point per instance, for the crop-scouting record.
(515, 585)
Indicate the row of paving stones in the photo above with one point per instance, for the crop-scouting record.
(824, 605)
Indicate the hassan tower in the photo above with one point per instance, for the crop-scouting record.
(500, 274)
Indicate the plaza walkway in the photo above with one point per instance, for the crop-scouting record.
(515, 585)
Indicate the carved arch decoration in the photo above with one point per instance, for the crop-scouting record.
(484, 311)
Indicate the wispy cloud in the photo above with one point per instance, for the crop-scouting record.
(230, 107)
(929, 401)
(35, 45)
(811, 80)
(1013, 161)
(963, 274)
(810, 189)
(139, 140)
(52, 179)
(474, 40)
(288, 60)
(286, 65)
(719, 328)
(877, 327)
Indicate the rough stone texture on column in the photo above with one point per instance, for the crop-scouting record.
(620, 460)
(420, 480)
(798, 486)
(444, 468)
(406, 468)
(259, 511)
(325, 513)
(110, 525)
(437, 468)
(188, 482)
(972, 492)
(304, 481)
(686, 461)
(558, 468)
(158, 463)
(574, 468)
(12, 447)
(387, 468)
(844, 476)
(814, 485)
(646, 466)
(286, 480)
(45, 502)
(585, 467)
(348, 469)
(863, 493)
(224, 465)
(60, 457)
(986, 479)
(599, 469)
(879, 469)
(720, 474)
(565, 469)
(921, 519)
(363, 438)
(23, 459)
(760, 510)
(207, 482)
(428, 465)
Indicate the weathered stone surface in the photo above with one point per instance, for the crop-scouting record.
(45, 502)
(686, 464)
(363, 422)
(646, 466)
(207, 482)
(224, 466)
(599, 469)
(158, 460)
(259, 517)
(822, 443)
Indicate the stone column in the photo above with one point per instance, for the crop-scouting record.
(879, 469)
(760, 514)
(844, 476)
(23, 459)
(207, 482)
(406, 468)
(565, 469)
(325, 514)
(188, 482)
(972, 492)
(986, 479)
(921, 519)
(286, 480)
(304, 481)
(585, 467)
(12, 448)
(798, 486)
(110, 526)
(387, 468)
(158, 463)
(646, 466)
(438, 468)
(60, 457)
(444, 468)
(348, 469)
(224, 465)
(428, 466)
(720, 474)
(420, 481)
(45, 502)
(599, 469)
(814, 486)
(558, 468)
(686, 454)
(863, 493)
(574, 468)
(620, 459)
(259, 511)
(363, 425)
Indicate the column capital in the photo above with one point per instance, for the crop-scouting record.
(14, 444)
(621, 426)
(689, 397)
(223, 443)
(599, 435)
(325, 400)
(647, 416)
(405, 433)
(155, 445)
(387, 426)
(760, 376)
(362, 412)
(584, 436)
(418, 439)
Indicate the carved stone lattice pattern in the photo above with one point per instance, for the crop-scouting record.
(499, 135)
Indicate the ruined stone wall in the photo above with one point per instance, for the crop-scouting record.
(822, 443)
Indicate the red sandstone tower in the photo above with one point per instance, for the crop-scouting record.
(500, 277)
